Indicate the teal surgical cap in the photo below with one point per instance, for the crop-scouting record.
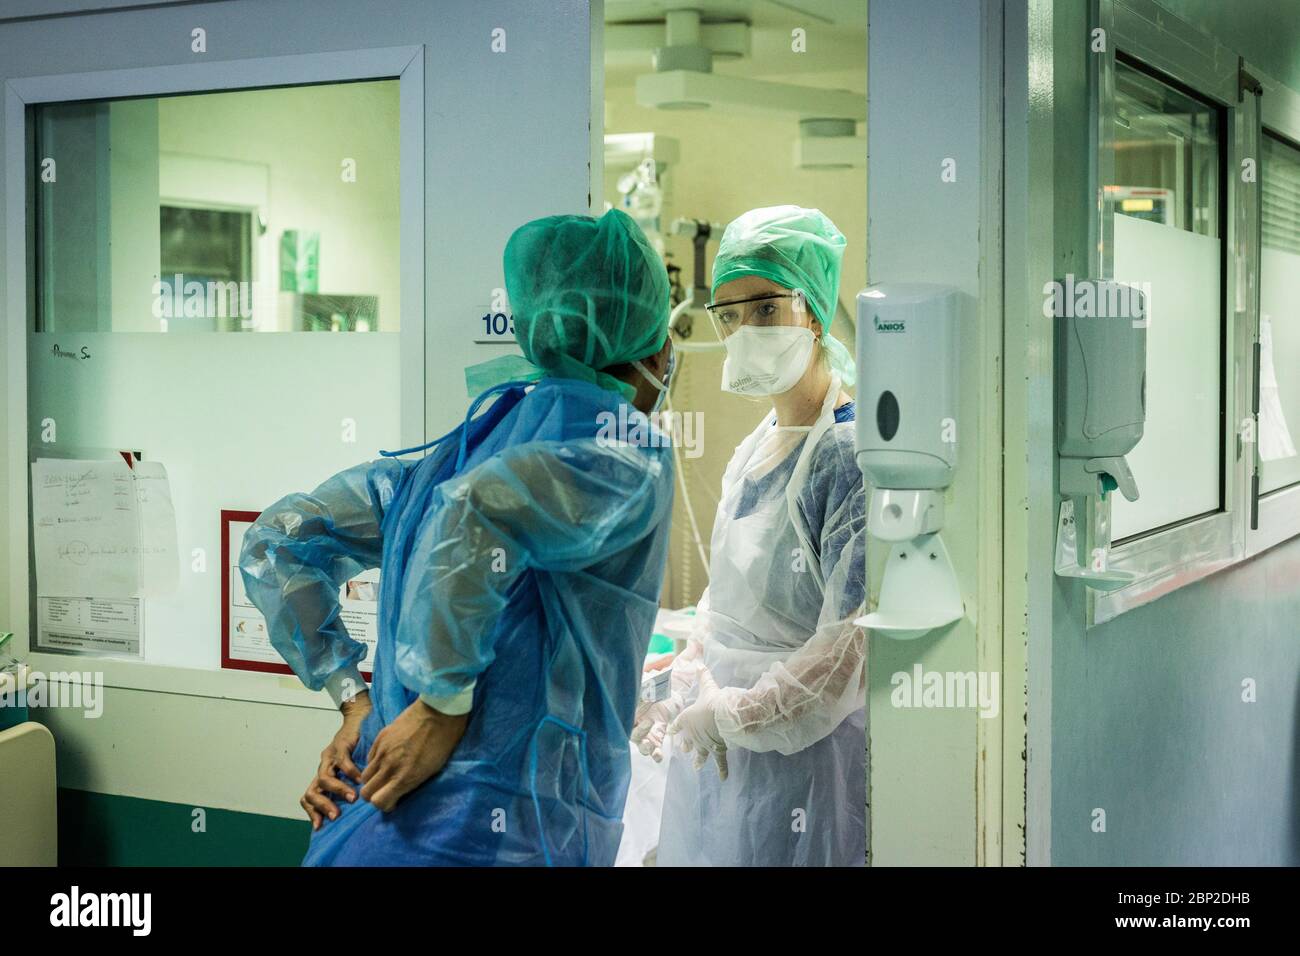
(586, 294)
(796, 248)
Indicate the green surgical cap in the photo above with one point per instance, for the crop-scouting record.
(796, 248)
(586, 294)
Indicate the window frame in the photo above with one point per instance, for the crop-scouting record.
(403, 63)
(1275, 516)
(1145, 34)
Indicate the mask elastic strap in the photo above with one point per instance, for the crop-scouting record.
(645, 373)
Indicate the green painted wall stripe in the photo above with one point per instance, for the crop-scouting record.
(100, 829)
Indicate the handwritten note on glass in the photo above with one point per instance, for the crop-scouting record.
(103, 529)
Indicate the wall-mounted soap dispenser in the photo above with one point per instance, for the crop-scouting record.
(1100, 347)
(908, 340)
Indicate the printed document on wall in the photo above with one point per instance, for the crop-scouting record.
(102, 529)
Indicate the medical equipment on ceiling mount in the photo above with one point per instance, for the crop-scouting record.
(682, 45)
(643, 200)
(908, 346)
(1100, 347)
(640, 161)
(680, 321)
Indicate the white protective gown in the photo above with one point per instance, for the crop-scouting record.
(787, 577)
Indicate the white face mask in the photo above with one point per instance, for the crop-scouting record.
(766, 360)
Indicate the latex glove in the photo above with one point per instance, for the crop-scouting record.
(651, 727)
(697, 726)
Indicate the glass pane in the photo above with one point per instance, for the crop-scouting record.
(1176, 464)
(251, 210)
(1166, 154)
(1279, 316)
(1167, 241)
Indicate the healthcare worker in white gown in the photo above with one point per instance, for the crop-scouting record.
(766, 713)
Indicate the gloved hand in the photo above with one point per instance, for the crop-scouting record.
(650, 727)
(697, 726)
(652, 722)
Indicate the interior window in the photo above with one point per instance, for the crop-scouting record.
(269, 210)
(1279, 316)
(1166, 203)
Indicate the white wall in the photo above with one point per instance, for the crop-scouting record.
(935, 773)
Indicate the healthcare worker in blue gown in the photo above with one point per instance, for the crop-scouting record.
(521, 561)
(772, 684)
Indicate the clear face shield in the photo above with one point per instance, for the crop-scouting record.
(769, 310)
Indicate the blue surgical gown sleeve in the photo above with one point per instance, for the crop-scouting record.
(549, 506)
(298, 554)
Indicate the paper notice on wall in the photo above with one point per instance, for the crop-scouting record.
(1274, 437)
(248, 639)
(102, 530)
(103, 625)
(159, 568)
(359, 612)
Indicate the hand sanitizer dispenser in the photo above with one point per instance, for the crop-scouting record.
(1101, 361)
(1100, 346)
(908, 339)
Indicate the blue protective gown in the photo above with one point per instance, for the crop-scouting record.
(532, 572)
